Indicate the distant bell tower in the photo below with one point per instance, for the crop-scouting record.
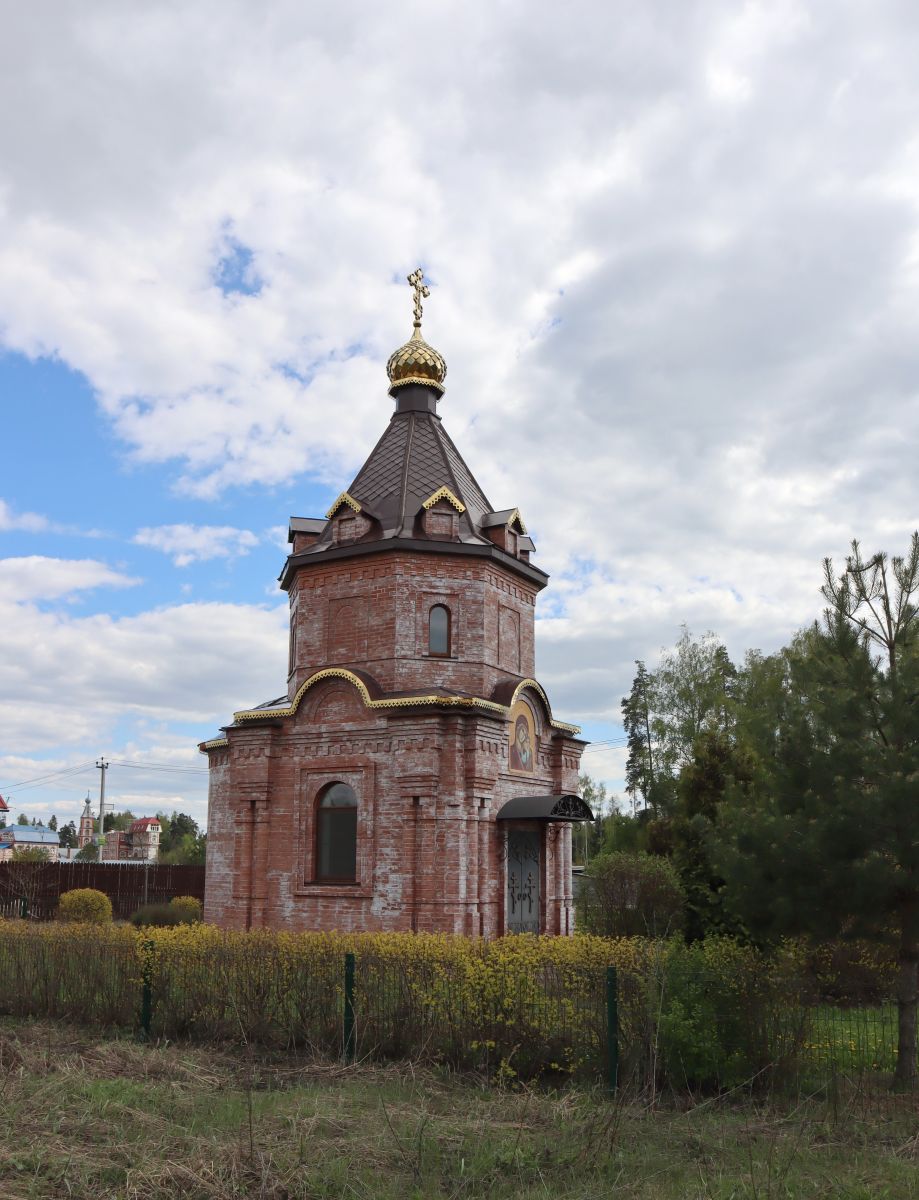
(86, 831)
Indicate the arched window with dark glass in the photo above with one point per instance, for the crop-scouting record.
(336, 834)
(439, 631)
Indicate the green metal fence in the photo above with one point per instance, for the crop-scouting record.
(552, 1022)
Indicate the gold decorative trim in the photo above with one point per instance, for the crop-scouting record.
(515, 516)
(563, 725)
(344, 498)
(444, 493)
(537, 687)
(397, 383)
(260, 714)
(464, 702)
(213, 744)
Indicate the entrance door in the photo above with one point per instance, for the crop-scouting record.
(522, 881)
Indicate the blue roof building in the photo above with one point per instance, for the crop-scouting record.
(31, 837)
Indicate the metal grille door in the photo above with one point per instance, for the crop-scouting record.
(522, 882)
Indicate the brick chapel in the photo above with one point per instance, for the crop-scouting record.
(412, 776)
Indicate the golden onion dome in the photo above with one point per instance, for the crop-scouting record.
(416, 361)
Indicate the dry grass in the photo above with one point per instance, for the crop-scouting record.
(84, 1117)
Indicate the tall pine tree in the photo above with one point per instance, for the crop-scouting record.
(835, 851)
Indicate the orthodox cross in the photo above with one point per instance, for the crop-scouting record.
(421, 290)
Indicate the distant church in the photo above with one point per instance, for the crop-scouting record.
(412, 777)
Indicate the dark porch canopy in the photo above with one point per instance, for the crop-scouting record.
(545, 808)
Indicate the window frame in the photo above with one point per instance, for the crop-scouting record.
(323, 815)
(432, 653)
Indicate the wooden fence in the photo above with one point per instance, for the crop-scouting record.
(33, 889)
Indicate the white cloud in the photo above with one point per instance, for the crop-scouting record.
(36, 577)
(68, 680)
(277, 535)
(197, 543)
(26, 521)
(675, 269)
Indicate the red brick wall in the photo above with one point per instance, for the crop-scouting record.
(429, 781)
(372, 614)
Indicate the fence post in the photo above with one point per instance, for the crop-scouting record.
(349, 1009)
(612, 1030)
(146, 998)
(23, 908)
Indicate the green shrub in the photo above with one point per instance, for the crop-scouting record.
(162, 915)
(728, 1014)
(631, 895)
(853, 972)
(85, 904)
(188, 906)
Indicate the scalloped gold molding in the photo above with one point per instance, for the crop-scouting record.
(344, 498)
(259, 714)
(515, 516)
(444, 493)
(537, 687)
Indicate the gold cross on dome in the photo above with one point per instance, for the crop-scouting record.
(421, 290)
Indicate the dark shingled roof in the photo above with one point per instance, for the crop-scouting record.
(412, 460)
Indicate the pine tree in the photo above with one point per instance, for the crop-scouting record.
(636, 719)
(67, 835)
(836, 850)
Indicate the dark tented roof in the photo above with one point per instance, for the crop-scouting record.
(413, 459)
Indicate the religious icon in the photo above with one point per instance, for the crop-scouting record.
(522, 748)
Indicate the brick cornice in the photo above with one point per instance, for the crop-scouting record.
(298, 562)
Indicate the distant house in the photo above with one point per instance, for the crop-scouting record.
(145, 838)
(140, 843)
(4, 808)
(29, 837)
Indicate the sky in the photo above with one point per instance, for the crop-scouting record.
(673, 252)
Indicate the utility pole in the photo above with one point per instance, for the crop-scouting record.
(103, 767)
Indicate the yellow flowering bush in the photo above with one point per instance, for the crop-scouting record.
(513, 1006)
(190, 907)
(85, 904)
(77, 972)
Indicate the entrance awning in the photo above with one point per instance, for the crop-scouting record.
(545, 808)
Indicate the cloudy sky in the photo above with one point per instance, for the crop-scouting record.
(674, 257)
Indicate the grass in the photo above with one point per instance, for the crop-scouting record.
(87, 1117)
(852, 1039)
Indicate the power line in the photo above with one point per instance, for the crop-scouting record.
(143, 766)
(39, 779)
(68, 772)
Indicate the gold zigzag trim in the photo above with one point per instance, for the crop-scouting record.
(344, 498)
(444, 493)
(515, 516)
(257, 714)
(537, 687)
(215, 743)
(425, 382)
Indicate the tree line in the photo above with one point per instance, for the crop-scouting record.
(780, 795)
(181, 839)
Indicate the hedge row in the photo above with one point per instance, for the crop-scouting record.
(708, 1015)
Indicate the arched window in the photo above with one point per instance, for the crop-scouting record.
(336, 834)
(439, 631)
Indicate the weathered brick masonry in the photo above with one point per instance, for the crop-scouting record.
(411, 683)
